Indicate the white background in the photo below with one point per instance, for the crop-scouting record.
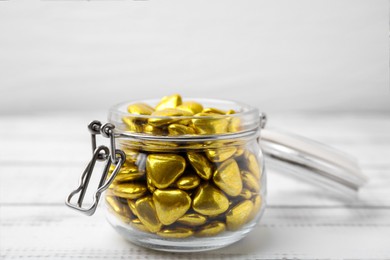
(299, 55)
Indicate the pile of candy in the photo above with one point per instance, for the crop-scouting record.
(180, 193)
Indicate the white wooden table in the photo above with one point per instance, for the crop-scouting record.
(41, 157)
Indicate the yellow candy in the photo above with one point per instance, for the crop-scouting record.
(131, 156)
(210, 110)
(209, 123)
(234, 125)
(163, 117)
(133, 125)
(230, 112)
(138, 225)
(191, 106)
(256, 207)
(149, 185)
(118, 209)
(188, 182)
(177, 129)
(131, 204)
(253, 164)
(128, 173)
(209, 200)
(192, 219)
(114, 204)
(140, 109)
(164, 169)
(169, 102)
(147, 214)
(179, 232)
(171, 205)
(153, 130)
(129, 190)
(220, 154)
(228, 178)
(246, 194)
(250, 182)
(201, 165)
(239, 215)
(240, 151)
(211, 229)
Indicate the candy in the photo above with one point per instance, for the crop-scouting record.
(140, 109)
(169, 102)
(171, 205)
(228, 178)
(211, 229)
(185, 189)
(164, 169)
(201, 165)
(239, 215)
(209, 200)
(147, 214)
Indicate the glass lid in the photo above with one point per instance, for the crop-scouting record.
(312, 162)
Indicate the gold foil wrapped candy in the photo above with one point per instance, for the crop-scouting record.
(164, 169)
(179, 190)
(210, 201)
(171, 205)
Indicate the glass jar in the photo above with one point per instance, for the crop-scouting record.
(188, 183)
(188, 192)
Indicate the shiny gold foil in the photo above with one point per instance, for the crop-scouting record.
(246, 194)
(209, 200)
(153, 130)
(169, 102)
(177, 129)
(136, 223)
(179, 232)
(164, 169)
(220, 154)
(211, 229)
(128, 173)
(171, 205)
(132, 190)
(131, 204)
(250, 182)
(140, 109)
(133, 125)
(234, 125)
(253, 164)
(209, 123)
(192, 219)
(166, 116)
(211, 110)
(228, 178)
(239, 215)
(191, 106)
(202, 166)
(256, 207)
(188, 182)
(147, 214)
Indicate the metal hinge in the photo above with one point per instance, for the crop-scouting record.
(111, 155)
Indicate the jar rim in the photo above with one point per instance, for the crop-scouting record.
(248, 115)
(121, 108)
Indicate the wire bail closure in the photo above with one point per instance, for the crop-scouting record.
(112, 155)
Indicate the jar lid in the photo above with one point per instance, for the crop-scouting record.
(312, 162)
(294, 155)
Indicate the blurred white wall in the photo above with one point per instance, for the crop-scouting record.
(283, 55)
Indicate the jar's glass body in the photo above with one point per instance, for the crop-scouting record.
(187, 193)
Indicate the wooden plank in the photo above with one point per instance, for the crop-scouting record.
(333, 233)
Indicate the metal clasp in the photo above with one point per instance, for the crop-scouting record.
(112, 155)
